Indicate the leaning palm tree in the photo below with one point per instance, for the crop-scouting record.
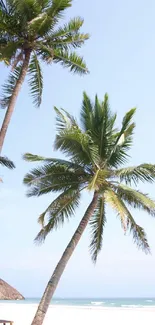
(30, 33)
(96, 150)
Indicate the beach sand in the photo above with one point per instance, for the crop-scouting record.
(58, 315)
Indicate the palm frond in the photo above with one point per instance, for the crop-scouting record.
(46, 19)
(72, 27)
(45, 53)
(127, 120)
(113, 200)
(67, 165)
(139, 236)
(77, 145)
(123, 141)
(57, 8)
(72, 41)
(106, 120)
(97, 224)
(8, 50)
(64, 119)
(45, 3)
(3, 6)
(9, 86)
(98, 120)
(30, 157)
(72, 61)
(54, 176)
(39, 24)
(36, 80)
(136, 199)
(86, 112)
(28, 9)
(62, 208)
(4, 161)
(93, 184)
(68, 36)
(135, 174)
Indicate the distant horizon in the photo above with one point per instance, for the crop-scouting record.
(80, 298)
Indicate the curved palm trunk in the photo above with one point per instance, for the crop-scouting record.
(13, 99)
(54, 280)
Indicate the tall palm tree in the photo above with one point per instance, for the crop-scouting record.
(30, 33)
(96, 150)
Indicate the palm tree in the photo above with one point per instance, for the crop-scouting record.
(30, 33)
(96, 150)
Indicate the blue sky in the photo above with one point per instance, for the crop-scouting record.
(121, 58)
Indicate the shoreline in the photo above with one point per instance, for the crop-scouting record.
(75, 315)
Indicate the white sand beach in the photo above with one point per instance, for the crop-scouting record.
(58, 315)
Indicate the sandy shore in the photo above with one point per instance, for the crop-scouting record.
(58, 315)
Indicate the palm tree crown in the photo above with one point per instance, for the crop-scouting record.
(97, 151)
(29, 29)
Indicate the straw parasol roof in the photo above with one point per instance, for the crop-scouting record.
(9, 293)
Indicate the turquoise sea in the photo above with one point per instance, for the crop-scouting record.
(93, 302)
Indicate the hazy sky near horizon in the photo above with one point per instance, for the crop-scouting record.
(121, 58)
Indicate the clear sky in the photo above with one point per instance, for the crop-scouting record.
(121, 58)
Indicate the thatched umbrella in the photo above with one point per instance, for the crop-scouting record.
(9, 293)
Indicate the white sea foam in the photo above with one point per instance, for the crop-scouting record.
(97, 303)
(149, 300)
(132, 306)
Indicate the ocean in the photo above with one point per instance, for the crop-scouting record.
(92, 302)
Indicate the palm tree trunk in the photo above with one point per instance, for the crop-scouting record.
(54, 280)
(13, 99)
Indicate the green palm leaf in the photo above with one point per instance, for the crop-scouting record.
(68, 165)
(113, 200)
(77, 145)
(86, 113)
(97, 224)
(8, 49)
(64, 119)
(136, 199)
(72, 27)
(54, 176)
(58, 6)
(123, 141)
(138, 232)
(36, 80)
(62, 208)
(3, 7)
(30, 157)
(72, 41)
(98, 120)
(143, 173)
(4, 161)
(9, 87)
(26, 8)
(71, 60)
